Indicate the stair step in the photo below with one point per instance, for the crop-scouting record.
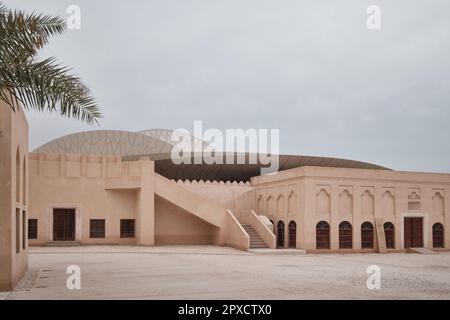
(421, 251)
(62, 243)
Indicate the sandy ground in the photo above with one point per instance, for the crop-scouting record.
(208, 272)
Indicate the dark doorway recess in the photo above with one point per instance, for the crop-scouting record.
(323, 235)
(280, 234)
(413, 232)
(345, 235)
(292, 234)
(63, 224)
(389, 233)
(367, 235)
(438, 235)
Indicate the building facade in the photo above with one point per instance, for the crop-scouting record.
(127, 191)
(86, 199)
(339, 210)
(122, 188)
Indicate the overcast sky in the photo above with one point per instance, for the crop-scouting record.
(310, 68)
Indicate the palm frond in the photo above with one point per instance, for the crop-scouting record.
(3, 8)
(39, 85)
(27, 33)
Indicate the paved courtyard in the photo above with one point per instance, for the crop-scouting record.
(208, 272)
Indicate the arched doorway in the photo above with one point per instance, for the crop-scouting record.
(322, 235)
(438, 235)
(292, 234)
(389, 233)
(345, 235)
(367, 235)
(280, 234)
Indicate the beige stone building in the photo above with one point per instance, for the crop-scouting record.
(122, 188)
(14, 195)
(116, 187)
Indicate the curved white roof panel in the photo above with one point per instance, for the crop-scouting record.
(157, 145)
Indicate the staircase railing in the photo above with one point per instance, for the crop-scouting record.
(250, 217)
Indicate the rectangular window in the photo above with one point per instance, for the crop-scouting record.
(17, 230)
(127, 228)
(32, 228)
(97, 228)
(24, 229)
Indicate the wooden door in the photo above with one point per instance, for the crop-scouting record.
(322, 235)
(345, 235)
(438, 235)
(292, 234)
(389, 234)
(367, 235)
(413, 228)
(280, 234)
(63, 224)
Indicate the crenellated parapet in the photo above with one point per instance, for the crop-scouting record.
(214, 183)
(86, 166)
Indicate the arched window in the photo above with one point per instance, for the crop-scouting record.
(345, 235)
(389, 233)
(367, 235)
(292, 234)
(438, 235)
(17, 176)
(280, 234)
(323, 235)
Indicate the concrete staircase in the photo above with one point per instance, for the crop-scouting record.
(62, 244)
(231, 232)
(420, 251)
(255, 239)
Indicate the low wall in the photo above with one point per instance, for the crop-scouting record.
(235, 235)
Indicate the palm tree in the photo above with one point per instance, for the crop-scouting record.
(42, 85)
